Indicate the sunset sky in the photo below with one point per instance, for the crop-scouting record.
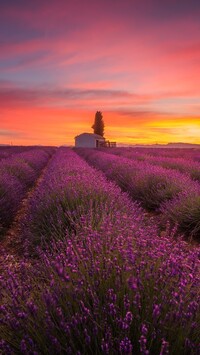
(137, 61)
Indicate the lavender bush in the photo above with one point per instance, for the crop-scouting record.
(184, 165)
(185, 212)
(8, 151)
(11, 193)
(156, 152)
(36, 158)
(151, 185)
(183, 209)
(69, 189)
(20, 169)
(117, 290)
(17, 174)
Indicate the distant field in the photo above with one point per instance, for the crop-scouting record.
(100, 250)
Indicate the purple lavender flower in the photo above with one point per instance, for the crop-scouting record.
(164, 348)
(125, 346)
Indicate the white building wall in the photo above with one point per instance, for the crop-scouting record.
(85, 142)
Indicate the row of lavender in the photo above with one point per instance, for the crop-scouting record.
(17, 175)
(186, 153)
(185, 210)
(70, 189)
(168, 191)
(103, 282)
(185, 162)
(8, 151)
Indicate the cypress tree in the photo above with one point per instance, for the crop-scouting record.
(98, 125)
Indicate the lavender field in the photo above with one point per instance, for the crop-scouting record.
(107, 251)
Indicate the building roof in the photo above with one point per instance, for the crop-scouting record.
(97, 136)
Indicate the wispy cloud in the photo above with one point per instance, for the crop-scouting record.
(12, 95)
(10, 133)
(123, 102)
